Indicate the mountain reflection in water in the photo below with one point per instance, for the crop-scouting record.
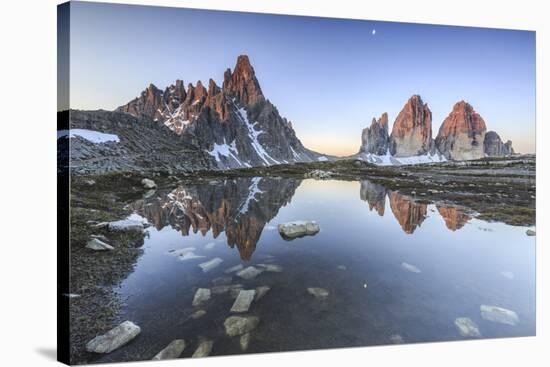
(242, 207)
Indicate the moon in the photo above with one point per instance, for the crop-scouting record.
(373, 32)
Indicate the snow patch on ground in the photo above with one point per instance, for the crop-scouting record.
(92, 136)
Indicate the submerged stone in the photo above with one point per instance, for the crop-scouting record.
(249, 273)
(243, 301)
(297, 229)
(244, 341)
(234, 269)
(204, 349)
(181, 251)
(172, 350)
(396, 339)
(202, 295)
(221, 281)
(499, 314)
(318, 292)
(507, 274)
(210, 245)
(466, 327)
(190, 256)
(211, 264)
(409, 267)
(272, 268)
(238, 325)
(198, 314)
(261, 291)
(98, 245)
(341, 267)
(114, 338)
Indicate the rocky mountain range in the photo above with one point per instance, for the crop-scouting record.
(234, 123)
(462, 136)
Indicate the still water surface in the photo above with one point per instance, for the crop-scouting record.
(369, 242)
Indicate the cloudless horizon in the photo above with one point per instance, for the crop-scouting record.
(330, 77)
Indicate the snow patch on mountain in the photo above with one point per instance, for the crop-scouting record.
(389, 160)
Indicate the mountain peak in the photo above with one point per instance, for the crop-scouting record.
(412, 130)
(242, 83)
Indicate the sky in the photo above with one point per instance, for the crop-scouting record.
(330, 77)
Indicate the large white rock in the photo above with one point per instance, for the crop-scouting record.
(211, 264)
(238, 325)
(296, 229)
(114, 338)
(201, 295)
(499, 314)
(466, 327)
(172, 350)
(98, 245)
(148, 183)
(243, 301)
(204, 349)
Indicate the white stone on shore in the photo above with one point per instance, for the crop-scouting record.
(114, 338)
(272, 268)
(238, 325)
(98, 245)
(250, 273)
(172, 350)
(202, 295)
(499, 314)
(148, 183)
(466, 327)
(530, 232)
(204, 349)
(126, 225)
(409, 267)
(211, 264)
(296, 229)
(261, 291)
(244, 341)
(318, 292)
(100, 237)
(234, 268)
(243, 301)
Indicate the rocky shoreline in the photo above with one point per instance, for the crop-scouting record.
(492, 189)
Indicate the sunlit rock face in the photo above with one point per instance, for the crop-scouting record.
(408, 213)
(412, 130)
(239, 207)
(235, 123)
(454, 218)
(375, 139)
(462, 134)
(374, 195)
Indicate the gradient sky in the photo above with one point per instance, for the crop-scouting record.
(330, 77)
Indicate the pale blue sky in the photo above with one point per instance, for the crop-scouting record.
(330, 77)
